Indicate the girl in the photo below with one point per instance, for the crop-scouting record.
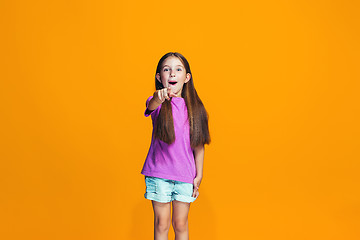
(173, 168)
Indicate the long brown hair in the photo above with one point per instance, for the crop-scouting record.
(198, 117)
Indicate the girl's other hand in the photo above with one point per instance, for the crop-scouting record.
(195, 194)
(164, 94)
(197, 181)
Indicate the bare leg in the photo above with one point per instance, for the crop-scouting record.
(162, 220)
(180, 220)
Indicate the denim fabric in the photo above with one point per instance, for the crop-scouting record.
(165, 190)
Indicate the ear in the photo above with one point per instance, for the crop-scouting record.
(158, 77)
(188, 76)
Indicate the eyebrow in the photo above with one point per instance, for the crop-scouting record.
(169, 66)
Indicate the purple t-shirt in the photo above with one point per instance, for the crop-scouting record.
(174, 161)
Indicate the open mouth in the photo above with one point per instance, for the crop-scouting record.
(172, 82)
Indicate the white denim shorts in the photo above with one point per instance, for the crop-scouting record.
(165, 190)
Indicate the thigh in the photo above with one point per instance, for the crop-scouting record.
(180, 211)
(162, 211)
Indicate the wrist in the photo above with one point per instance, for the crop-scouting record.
(156, 97)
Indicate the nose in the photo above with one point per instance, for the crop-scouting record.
(172, 73)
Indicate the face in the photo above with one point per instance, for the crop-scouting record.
(173, 74)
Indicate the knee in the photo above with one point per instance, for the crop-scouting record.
(162, 225)
(180, 225)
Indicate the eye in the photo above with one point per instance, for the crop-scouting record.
(165, 69)
(179, 69)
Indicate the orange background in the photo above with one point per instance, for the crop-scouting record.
(280, 80)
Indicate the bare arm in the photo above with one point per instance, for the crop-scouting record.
(154, 102)
(199, 160)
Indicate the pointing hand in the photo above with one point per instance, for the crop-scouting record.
(164, 94)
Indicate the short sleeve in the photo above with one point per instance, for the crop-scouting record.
(153, 113)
